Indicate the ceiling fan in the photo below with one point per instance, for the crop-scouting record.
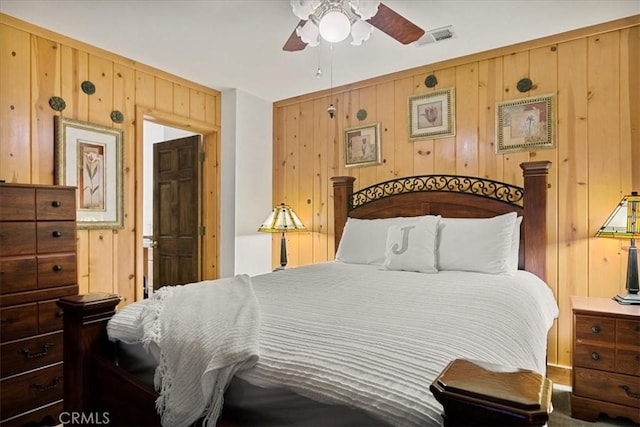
(335, 20)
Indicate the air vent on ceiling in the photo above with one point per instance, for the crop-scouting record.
(436, 35)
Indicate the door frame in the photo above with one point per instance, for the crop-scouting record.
(210, 190)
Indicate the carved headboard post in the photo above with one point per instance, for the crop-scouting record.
(342, 192)
(535, 213)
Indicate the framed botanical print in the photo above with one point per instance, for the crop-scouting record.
(362, 146)
(432, 115)
(525, 124)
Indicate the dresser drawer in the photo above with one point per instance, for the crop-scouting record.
(17, 238)
(628, 333)
(628, 362)
(55, 203)
(17, 204)
(56, 270)
(594, 356)
(49, 316)
(18, 321)
(607, 386)
(44, 416)
(31, 353)
(18, 274)
(595, 329)
(56, 236)
(31, 390)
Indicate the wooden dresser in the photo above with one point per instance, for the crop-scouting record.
(606, 359)
(37, 266)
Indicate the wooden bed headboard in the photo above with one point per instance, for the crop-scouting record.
(457, 197)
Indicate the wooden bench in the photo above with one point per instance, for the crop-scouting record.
(476, 393)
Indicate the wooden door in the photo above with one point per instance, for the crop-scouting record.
(176, 211)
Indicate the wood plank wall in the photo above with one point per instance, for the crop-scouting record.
(595, 74)
(36, 64)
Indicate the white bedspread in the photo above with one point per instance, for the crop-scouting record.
(354, 335)
(202, 334)
(358, 336)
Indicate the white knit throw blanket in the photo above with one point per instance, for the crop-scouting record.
(205, 332)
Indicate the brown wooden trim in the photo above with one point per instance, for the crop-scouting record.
(559, 374)
(76, 44)
(615, 25)
(535, 216)
(342, 192)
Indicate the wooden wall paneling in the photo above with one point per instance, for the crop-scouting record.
(181, 100)
(630, 103)
(515, 67)
(45, 83)
(333, 151)
(606, 257)
(321, 189)
(347, 119)
(444, 149)
(212, 114)
(15, 105)
(75, 70)
(163, 95)
(306, 164)
(543, 69)
(423, 149)
(210, 205)
(386, 115)
(292, 176)
(197, 105)
(126, 284)
(489, 92)
(572, 170)
(367, 101)
(145, 90)
(102, 264)
(630, 91)
(403, 147)
(467, 162)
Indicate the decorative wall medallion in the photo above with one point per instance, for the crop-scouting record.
(117, 116)
(431, 81)
(57, 103)
(524, 85)
(361, 114)
(88, 87)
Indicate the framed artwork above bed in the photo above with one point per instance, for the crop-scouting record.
(362, 146)
(433, 114)
(525, 124)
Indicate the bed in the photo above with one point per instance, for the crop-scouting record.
(358, 340)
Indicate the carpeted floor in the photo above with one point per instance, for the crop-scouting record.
(561, 415)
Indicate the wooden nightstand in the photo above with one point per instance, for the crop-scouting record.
(606, 359)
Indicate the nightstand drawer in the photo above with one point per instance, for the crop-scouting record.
(30, 353)
(17, 238)
(49, 316)
(31, 390)
(595, 329)
(628, 362)
(594, 356)
(54, 203)
(628, 333)
(56, 270)
(18, 274)
(606, 386)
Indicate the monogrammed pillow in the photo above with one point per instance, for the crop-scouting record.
(412, 246)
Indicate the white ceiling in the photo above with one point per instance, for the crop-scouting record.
(238, 43)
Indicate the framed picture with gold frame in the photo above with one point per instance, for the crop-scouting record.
(89, 156)
(525, 124)
(362, 146)
(432, 115)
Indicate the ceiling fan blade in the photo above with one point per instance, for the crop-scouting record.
(395, 25)
(295, 43)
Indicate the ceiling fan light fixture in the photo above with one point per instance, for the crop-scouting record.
(366, 9)
(334, 26)
(309, 33)
(360, 32)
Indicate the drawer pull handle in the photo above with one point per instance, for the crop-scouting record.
(637, 357)
(629, 392)
(28, 355)
(57, 267)
(56, 203)
(595, 356)
(53, 385)
(56, 234)
(637, 328)
(595, 329)
(60, 314)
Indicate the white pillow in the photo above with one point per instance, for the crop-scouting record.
(364, 240)
(477, 244)
(412, 247)
(125, 324)
(515, 245)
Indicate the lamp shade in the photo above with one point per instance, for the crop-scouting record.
(281, 219)
(334, 27)
(623, 222)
